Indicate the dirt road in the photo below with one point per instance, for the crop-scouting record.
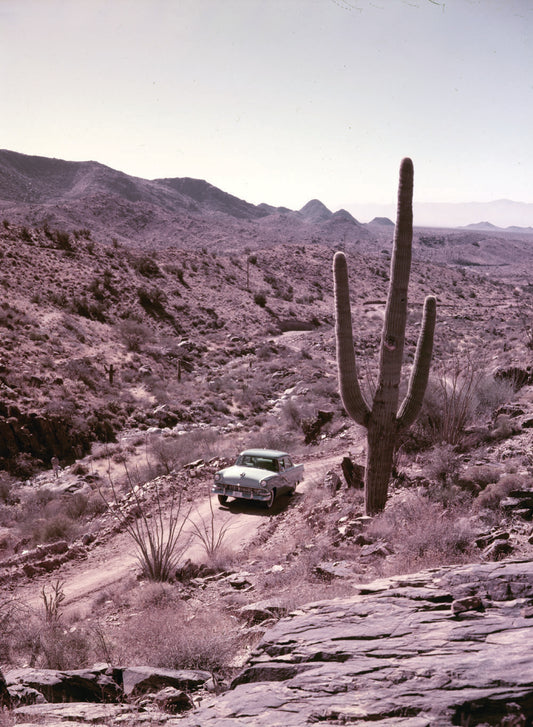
(115, 561)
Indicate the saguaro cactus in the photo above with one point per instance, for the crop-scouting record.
(383, 420)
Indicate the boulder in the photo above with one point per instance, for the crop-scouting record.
(137, 680)
(5, 696)
(354, 473)
(329, 570)
(313, 426)
(172, 700)
(263, 610)
(79, 685)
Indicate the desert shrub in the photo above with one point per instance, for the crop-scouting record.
(6, 488)
(54, 646)
(93, 310)
(76, 506)
(459, 394)
(63, 241)
(442, 464)
(147, 266)
(260, 299)
(423, 533)
(491, 497)
(503, 427)
(490, 393)
(177, 637)
(23, 465)
(482, 474)
(153, 300)
(135, 334)
(14, 618)
(83, 370)
(475, 478)
(25, 234)
(270, 437)
(44, 517)
(293, 413)
(170, 453)
(209, 533)
(156, 595)
(57, 527)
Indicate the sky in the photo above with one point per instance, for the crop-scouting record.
(279, 101)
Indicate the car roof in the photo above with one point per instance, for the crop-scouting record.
(274, 453)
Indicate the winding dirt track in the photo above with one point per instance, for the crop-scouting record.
(114, 562)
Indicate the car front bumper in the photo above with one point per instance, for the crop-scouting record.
(242, 492)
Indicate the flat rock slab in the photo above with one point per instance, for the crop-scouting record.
(80, 713)
(396, 653)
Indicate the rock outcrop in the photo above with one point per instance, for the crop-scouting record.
(443, 647)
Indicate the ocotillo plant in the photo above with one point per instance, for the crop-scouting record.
(383, 420)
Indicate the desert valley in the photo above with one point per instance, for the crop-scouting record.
(151, 330)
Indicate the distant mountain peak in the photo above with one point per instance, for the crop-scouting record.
(316, 211)
(383, 221)
(343, 215)
(482, 226)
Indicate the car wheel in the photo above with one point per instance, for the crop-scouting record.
(222, 499)
(271, 499)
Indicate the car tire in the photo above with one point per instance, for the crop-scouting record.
(223, 499)
(270, 502)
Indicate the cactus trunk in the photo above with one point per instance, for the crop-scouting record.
(381, 440)
(383, 420)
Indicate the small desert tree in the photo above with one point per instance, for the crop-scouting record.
(383, 420)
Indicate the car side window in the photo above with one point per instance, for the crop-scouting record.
(287, 463)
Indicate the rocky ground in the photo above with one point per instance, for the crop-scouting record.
(442, 646)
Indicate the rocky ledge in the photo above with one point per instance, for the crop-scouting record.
(442, 647)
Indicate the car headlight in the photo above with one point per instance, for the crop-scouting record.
(218, 477)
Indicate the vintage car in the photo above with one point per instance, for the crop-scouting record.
(258, 474)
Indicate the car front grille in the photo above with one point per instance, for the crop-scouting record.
(240, 488)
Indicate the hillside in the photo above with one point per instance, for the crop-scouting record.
(151, 330)
(95, 334)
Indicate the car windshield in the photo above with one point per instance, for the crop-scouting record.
(261, 463)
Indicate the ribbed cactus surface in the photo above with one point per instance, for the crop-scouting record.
(382, 417)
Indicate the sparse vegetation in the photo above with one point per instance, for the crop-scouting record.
(202, 366)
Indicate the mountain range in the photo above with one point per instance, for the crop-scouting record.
(178, 211)
(187, 212)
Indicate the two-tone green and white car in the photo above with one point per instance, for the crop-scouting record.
(258, 474)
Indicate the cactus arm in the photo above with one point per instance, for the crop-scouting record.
(420, 373)
(350, 392)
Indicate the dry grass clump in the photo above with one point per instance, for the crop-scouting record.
(178, 636)
(424, 533)
(42, 516)
(44, 637)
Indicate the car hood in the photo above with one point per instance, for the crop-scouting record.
(246, 476)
